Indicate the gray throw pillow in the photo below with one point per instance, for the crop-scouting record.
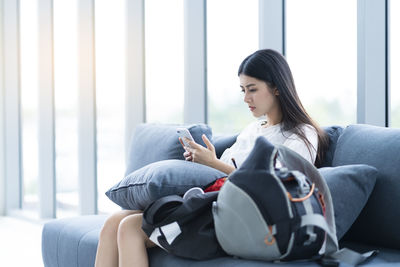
(153, 142)
(159, 179)
(378, 223)
(350, 187)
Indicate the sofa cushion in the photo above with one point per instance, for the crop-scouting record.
(378, 223)
(153, 142)
(158, 179)
(160, 258)
(350, 187)
(72, 242)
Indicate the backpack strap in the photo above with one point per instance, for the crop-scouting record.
(153, 210)
(343, 255)
(190, 207)
(294, 161)
(351, 257)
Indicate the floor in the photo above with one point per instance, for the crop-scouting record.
(20, 242)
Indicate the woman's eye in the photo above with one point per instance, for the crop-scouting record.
(249, 90)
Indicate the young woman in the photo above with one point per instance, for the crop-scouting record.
(268, 87)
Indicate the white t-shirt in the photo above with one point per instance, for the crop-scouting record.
(246, 139)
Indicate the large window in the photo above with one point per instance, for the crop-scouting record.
(66, 101)
(110, 94)
(394, 38)
(164, 60)
(322, 53)
(29, 102)
(232, 34)
(321, 48)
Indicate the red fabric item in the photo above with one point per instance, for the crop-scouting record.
(216, 186)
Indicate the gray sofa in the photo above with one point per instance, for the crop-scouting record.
(73, 242)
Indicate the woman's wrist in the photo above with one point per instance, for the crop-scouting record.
(214, 163)
(222, 166)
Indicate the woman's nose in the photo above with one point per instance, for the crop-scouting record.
(246, 98)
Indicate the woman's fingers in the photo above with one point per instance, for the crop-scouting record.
(189, 149)
(209, 145)
(198, 153)
(180, 140)
(188, 156)
(191, 152)
(193, 145)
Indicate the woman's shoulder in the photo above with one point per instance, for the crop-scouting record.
(309, 132)
(308, 128)
(304, 127)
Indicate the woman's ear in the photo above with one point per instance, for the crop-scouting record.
(276, 92)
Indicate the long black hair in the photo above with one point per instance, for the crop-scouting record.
(271, 67)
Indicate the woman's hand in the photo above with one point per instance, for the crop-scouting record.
(205, 155)
(187, 155)
(200, 154)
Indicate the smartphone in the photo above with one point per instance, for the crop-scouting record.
(184, 132)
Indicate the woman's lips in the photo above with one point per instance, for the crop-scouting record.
(252, 108)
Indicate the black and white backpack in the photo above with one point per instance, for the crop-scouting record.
(278, 214)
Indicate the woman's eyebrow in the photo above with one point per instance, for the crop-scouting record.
(249, 85)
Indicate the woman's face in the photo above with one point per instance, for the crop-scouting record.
(261, 99)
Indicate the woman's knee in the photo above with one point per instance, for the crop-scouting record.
(111, 225)
(131, 227)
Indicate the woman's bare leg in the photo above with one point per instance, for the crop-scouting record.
(107, 249)
(132, 242)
